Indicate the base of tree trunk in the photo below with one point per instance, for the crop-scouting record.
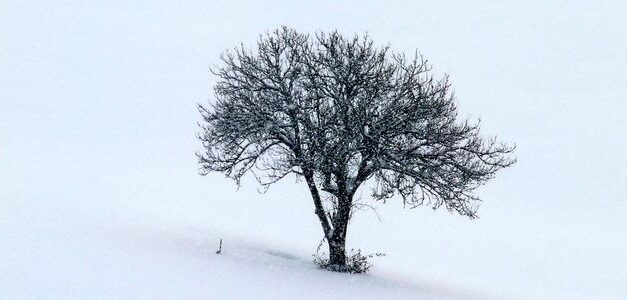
(337, 258)
(355, 262)
(338, 268)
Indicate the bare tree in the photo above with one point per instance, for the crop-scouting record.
(338, 112)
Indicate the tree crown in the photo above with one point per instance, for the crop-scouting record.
(343, 111)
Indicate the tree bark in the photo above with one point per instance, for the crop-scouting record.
(337, 241)
(335, 229)
(326, 227)
(337, 255)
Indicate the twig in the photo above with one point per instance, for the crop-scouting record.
(219, 249)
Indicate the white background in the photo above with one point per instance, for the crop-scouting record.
(99, 192)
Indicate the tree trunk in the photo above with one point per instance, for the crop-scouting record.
(337, 242)
(335, 229)
(337, 255)
(319, 209)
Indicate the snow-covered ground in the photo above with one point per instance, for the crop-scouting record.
(100, 197)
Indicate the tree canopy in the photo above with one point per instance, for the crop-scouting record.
(339, 112)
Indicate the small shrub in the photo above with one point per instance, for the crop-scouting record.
(356, 262)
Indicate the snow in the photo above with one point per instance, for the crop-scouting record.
(100, 197)
(165, 255)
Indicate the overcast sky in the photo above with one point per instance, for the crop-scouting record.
(97, 106)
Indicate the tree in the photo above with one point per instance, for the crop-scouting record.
(340, 112)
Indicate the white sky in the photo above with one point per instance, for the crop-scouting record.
(97, 112)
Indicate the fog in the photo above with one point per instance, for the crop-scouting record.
(98, 124)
